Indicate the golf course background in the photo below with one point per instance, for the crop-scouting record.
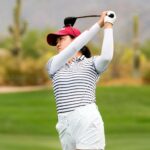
(27, 119)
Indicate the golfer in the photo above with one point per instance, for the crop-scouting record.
(74, 74)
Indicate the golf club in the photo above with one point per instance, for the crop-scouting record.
(71, 20)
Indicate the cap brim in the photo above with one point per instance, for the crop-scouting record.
(52, 39)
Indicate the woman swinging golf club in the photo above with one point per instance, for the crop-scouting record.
(74, 74)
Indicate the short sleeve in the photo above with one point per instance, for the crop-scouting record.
(93, 62)
(99, 72)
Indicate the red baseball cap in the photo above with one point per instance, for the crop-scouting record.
(68, 30)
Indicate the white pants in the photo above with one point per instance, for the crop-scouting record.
(82, 128)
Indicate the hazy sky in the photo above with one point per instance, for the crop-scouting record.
(50, 13)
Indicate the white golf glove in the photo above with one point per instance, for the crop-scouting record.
(111, 17)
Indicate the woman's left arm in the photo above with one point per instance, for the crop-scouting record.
(101, 62)
(106, 20)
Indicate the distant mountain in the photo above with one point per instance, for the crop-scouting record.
(50, 13)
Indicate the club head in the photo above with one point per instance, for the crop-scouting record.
(70, 21)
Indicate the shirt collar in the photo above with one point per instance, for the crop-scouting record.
(81, 57)
(76, 59)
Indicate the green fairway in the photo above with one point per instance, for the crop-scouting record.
(27, 119)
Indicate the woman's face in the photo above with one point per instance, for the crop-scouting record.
(63, 42)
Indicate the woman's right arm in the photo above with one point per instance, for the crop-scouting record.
(56, 62)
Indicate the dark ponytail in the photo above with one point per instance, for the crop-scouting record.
(84, 50)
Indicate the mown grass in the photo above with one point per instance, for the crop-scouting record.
(27, 119)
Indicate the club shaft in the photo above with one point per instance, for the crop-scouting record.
(88, 16)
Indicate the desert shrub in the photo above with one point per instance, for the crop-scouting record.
(23, 71)
(146, 74)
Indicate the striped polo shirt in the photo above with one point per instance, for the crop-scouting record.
(74, 84)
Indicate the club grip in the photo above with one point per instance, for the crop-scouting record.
(111, 15)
